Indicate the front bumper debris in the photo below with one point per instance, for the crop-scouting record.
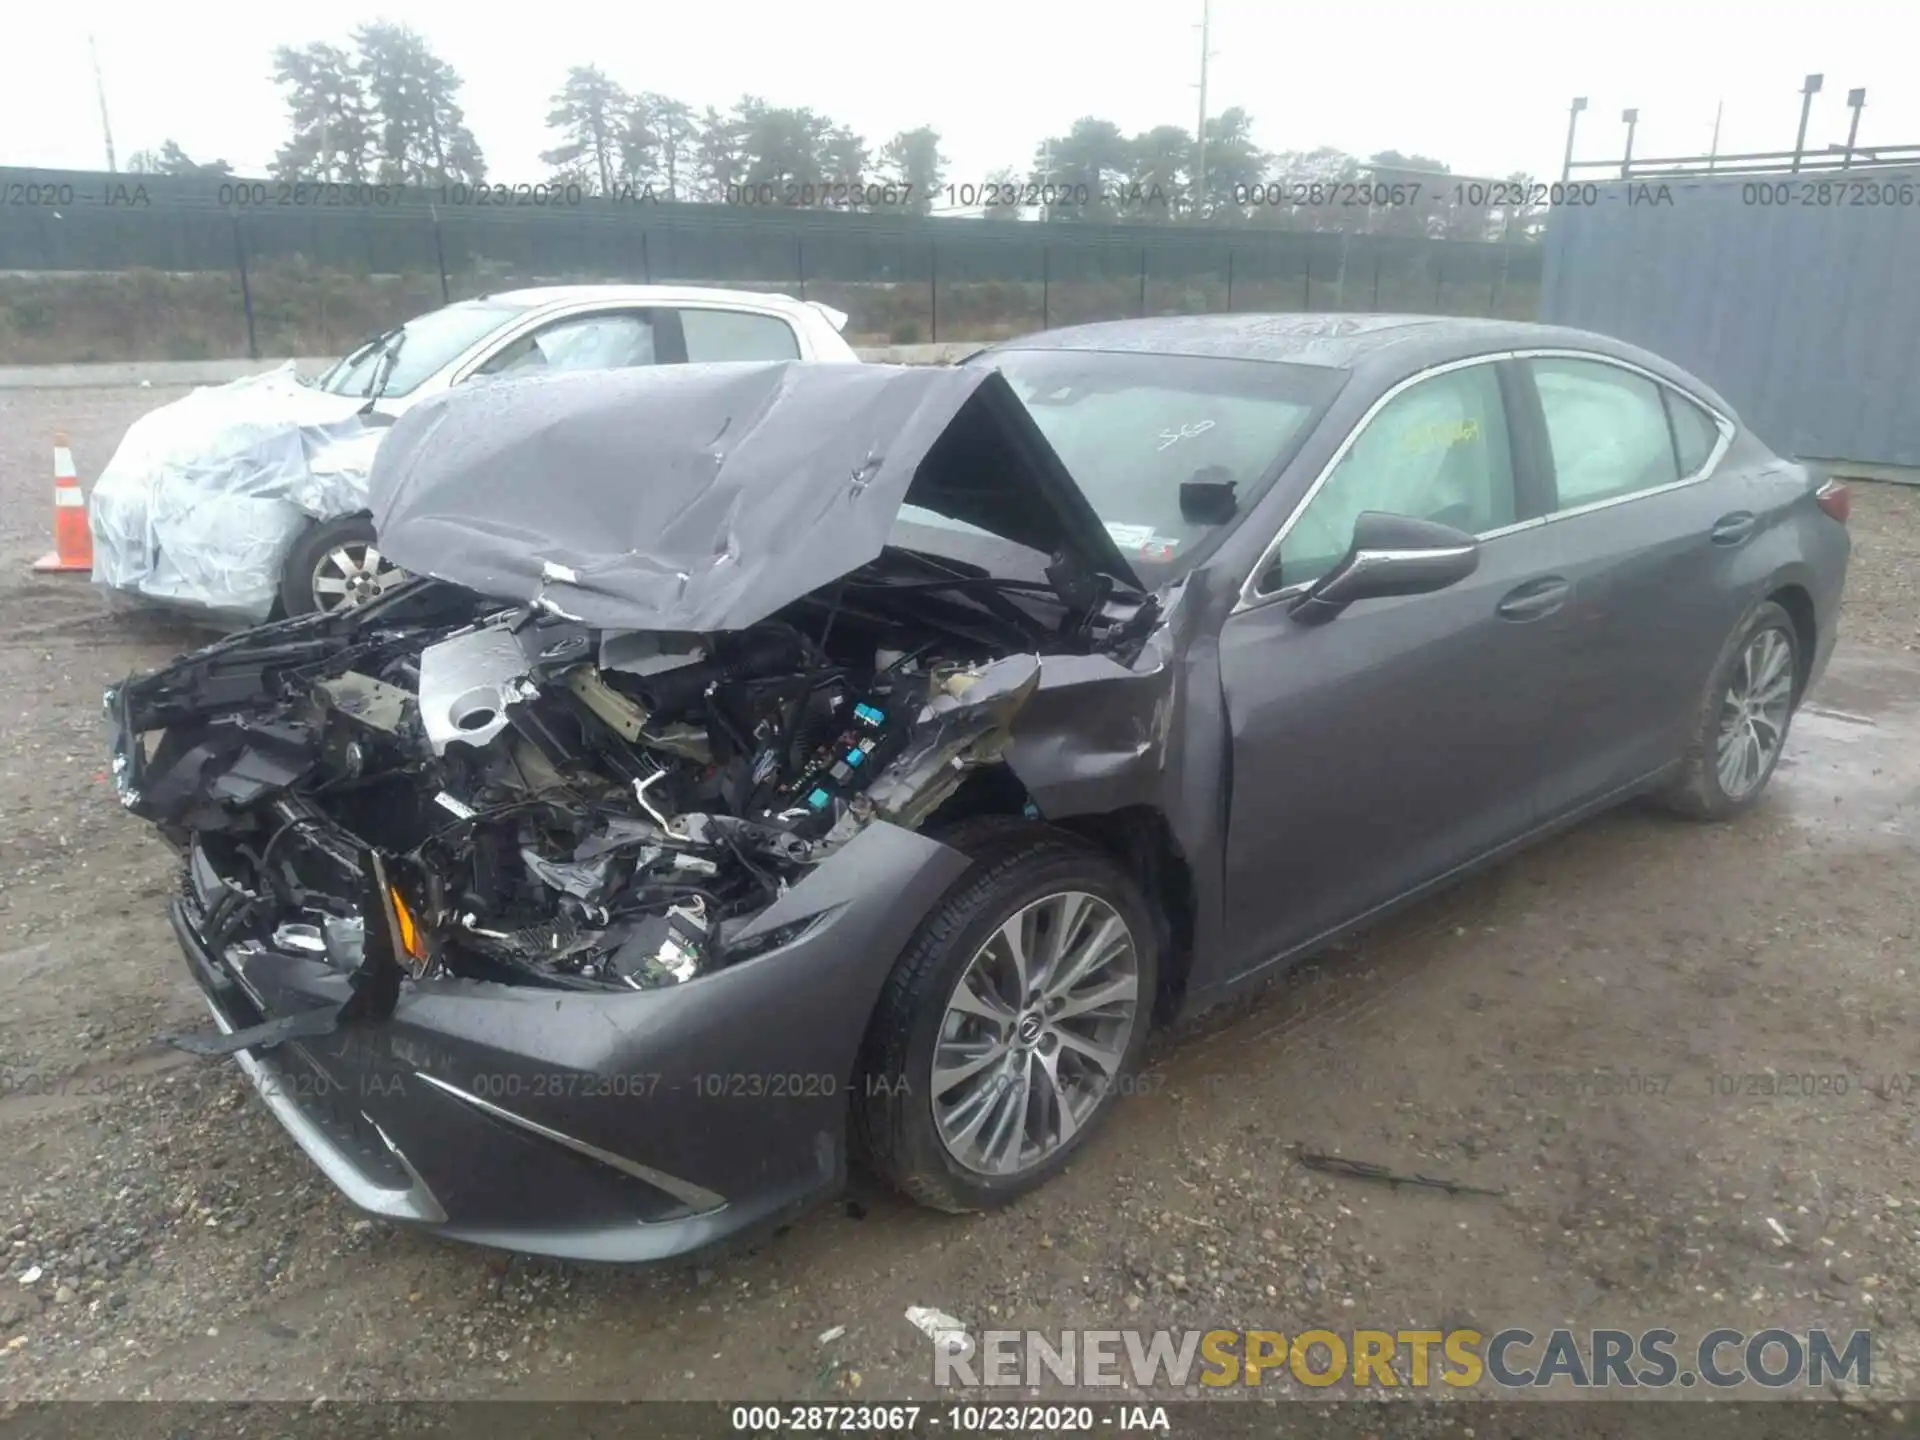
(597, 1127)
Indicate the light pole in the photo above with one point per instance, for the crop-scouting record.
(1807, 92)
(1631, 118)
(1573, 121)
(1856, 102)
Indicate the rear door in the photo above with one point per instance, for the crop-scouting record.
(1392, 744)
(1647, 535)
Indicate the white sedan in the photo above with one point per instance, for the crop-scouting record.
(246, 494)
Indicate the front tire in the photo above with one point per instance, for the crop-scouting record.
(336, 565)
(1010, 1024)
(1742, 724)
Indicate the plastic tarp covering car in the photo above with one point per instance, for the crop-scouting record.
(202, 500)
(704, 497)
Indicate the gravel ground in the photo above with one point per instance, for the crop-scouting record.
(161, 1238)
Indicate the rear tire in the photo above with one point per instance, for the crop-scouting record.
(335, 565)
(1043, 1093)
(1761, 659)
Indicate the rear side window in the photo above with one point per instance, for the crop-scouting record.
(732, 335)
(1607, 428)
(1695, 433)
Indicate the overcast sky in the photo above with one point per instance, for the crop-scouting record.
(1481, 86)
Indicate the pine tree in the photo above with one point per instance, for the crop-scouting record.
(591, 112)
(327, 108)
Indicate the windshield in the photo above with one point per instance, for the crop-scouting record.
(1131, 427)
(427, 345)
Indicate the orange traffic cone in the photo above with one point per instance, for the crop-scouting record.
(72, 540)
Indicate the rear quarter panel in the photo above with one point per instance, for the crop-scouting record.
(1799, 546)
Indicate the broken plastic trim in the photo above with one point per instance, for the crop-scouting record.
(415, 1203)
(375, 984)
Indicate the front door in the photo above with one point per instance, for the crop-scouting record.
(1387, 746)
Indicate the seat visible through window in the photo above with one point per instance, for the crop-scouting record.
(1436, 451)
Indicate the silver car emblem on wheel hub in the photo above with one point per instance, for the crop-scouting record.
(1034, 1034)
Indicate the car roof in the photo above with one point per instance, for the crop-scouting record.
(649, 294)
(1335, 340)
(1381, 348)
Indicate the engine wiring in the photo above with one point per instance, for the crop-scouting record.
(615, 827)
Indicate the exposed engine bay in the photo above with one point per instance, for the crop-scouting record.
(518, 797)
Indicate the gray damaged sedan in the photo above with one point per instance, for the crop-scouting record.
(775, 762)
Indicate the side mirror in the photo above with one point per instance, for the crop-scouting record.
(1391, 555)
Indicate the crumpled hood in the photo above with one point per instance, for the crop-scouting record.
(705, 497)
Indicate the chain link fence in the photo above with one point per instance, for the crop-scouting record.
(120, 267)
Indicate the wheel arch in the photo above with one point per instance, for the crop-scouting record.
(1141, 841)
(892, 1127)
(1138, 838)
(1797, 601)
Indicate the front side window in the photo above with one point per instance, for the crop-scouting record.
(1437, 451)
(1607, 428)
(736, 335)
(611, 341)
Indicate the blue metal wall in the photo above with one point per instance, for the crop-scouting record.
(1798, 299)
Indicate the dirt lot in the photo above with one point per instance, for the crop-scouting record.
(182, 1246)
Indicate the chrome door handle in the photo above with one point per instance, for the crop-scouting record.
(1534, 600)
(1734, 529)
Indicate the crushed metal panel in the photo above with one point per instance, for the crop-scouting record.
(703, 498)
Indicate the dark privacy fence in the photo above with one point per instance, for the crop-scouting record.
(902, 278)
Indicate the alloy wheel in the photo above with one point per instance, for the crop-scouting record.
(1035, 1033)
(1753, 713)
(352, 574)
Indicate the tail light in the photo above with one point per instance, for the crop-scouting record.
(1835, 499)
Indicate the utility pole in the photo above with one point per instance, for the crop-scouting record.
(1200, 130)
(100, 90)
(1713, 150)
